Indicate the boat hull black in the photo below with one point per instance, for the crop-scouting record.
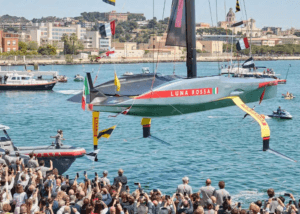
(37, 87)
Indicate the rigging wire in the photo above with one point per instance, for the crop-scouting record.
(157, 61)
(212, 22)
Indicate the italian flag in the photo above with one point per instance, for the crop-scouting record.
(84, 94)
(216, 90)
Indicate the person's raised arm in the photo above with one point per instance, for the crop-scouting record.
(51, 165)
(120, 187)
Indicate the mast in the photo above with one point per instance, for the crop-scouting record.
(251, 27)
(191, 59)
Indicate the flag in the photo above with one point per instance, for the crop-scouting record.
(242, 44)
(123, 112)
(84, 94)
(215, 90)
(249, 63)
(237, 24)
(106, 133)
(110, 52)
(262, 96)
(108, 29)
(117, 82)
(93, 155)
(112, 2)
(237, 7)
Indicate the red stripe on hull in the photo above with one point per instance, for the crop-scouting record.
(271, 83)
(61, 154)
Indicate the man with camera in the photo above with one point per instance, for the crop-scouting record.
(120, 179)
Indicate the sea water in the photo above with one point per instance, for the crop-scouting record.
(216, 144)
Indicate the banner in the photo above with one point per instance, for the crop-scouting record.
(96, 115)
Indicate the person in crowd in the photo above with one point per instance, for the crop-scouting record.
(184, 188)
(44, 169)
(207, 191)
(120, 179)
(32, 163)
(221, 193)
(104, 178)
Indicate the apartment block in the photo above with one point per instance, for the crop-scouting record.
(10, 42)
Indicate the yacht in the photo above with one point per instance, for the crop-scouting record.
(25, 82)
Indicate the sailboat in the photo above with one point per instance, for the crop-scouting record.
(155, 95)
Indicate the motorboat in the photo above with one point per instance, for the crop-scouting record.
(78, 78)
(146, 70)
(62, 78)
(283, 115)
(62, 157)
(244, 72)
(25, 82)
(288, 96)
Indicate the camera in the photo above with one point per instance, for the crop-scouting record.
(77, 175)
(136, 183)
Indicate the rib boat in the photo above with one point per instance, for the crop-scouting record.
(62, 158)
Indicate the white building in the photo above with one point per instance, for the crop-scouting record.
(46, 32)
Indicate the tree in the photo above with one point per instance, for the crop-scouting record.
(47, 50)
(32, 45)
(22, 46)
(71, 44)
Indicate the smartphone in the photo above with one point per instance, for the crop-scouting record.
(127, 187)
(84, 173)
(136, 183)
(290, 202)
(287, 194)
(125, 210)
(142, 194)
(167, 197)
(20, 159)
(239, 205)
(67, 176)
(155, 190)
(177, 194)
(274, 199)
(77, 175)
(49, 183)
(96, 174)
(184, 194)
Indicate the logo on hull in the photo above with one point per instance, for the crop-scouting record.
(180, 93)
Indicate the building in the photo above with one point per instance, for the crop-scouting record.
(24, 37)
(127, 50)
(223, 38)
(272, 30)
(213, 47)
(265, 41)
(18, 26)
(93, 40)
(202, 25)
(248, 28)
(46, 33)
(113, 15)
(1, 33)
(292, 39)
(10, 42)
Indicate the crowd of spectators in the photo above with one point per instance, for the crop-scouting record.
(36, 189)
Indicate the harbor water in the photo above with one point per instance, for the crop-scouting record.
(216, 144)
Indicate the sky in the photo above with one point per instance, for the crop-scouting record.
(278, 13)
